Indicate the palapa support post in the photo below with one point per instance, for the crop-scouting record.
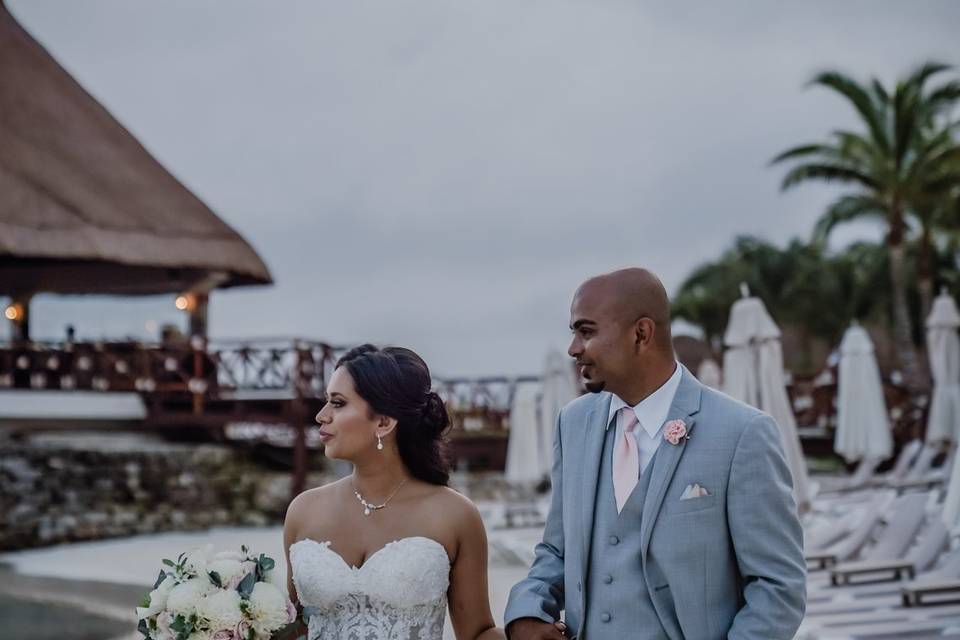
(18, 313)
(200, 303)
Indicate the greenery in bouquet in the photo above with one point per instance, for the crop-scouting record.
(230, 595)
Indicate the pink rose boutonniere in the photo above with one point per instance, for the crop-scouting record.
(675, 431)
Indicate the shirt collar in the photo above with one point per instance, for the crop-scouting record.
(652, 411)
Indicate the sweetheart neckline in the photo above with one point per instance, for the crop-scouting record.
(326, 545)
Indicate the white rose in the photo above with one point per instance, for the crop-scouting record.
(198, 558)
(184, 597)
(221, 610)
(268, 608)
(230, 555)
(273, 577)
(226, 568)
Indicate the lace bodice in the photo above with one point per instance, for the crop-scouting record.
(400, 592)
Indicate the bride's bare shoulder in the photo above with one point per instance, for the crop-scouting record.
(454, 507)
(312, 499)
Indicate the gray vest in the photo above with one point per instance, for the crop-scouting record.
(618, 604)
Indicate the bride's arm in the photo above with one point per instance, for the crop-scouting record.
(291, 525)
(468, 594)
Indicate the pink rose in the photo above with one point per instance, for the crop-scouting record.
(164, 632)
(223, 635)
(242, 631)
(675, 431)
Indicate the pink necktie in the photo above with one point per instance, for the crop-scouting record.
(626, 460)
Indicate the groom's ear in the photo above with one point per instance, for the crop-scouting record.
(643, 331)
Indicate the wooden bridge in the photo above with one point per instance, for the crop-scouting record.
(207, 387)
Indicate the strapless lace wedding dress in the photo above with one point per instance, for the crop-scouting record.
(400, 592)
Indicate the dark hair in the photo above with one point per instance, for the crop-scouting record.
(395, 382)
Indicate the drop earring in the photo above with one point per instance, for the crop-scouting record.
(379, 443)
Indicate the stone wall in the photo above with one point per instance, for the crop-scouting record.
(61, 490)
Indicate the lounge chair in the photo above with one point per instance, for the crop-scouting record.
(849, 545)
(923, 475)
(863, 476)
(885, 562)
(943, 581)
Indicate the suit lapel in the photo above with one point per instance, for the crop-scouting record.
(594, 433)
(686, 404)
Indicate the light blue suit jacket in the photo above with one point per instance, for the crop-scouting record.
(728, 565)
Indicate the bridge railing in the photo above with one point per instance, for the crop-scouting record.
(228, 370)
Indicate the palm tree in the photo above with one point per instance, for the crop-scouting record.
(892, 167)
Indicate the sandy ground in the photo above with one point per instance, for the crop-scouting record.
(87, 591)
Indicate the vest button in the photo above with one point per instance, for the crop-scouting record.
(614, 540)
(579, 586)
(604, 617)
(607, 579)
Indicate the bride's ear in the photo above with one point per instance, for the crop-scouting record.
(385, 426)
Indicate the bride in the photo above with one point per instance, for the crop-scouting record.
(382, 553)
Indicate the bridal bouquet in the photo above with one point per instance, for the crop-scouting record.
(231, 595)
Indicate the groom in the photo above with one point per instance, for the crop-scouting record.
(672, 514)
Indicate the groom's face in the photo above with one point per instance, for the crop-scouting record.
(602, 342)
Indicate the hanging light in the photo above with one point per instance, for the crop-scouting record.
(186, 302)
(14, 312)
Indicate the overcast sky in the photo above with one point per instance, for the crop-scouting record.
(442, 175)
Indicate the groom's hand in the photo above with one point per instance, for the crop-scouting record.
(535, 629)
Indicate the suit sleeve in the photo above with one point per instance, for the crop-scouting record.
(540, 594)
(767, 536)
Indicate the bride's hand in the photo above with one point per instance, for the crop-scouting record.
(535, 629)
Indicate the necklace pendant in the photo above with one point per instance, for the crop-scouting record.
(366, 511)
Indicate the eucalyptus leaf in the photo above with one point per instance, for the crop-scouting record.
(215, 579)
(246, 586)
(160, 579)
(169, 563)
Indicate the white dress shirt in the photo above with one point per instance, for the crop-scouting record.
(651, 414)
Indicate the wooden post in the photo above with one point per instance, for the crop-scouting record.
(298, 414)
(198, 313)
(18, 313)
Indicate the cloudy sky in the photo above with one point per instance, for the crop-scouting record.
(442, 175)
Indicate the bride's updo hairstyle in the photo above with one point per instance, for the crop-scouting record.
(395, 382)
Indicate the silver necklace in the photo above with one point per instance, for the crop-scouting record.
(368, 508)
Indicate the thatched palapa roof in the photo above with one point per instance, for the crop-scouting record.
(84, 208)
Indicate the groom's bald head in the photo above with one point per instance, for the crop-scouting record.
(621, 333)
(627, 295)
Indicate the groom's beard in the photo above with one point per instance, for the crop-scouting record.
(595, 387)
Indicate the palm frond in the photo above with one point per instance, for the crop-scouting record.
(801, 151)
(871, 111)
(828, 173)
(925, 71)
(847, 209)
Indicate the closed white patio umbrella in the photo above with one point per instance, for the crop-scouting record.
(753, 373)
(943, 347)
(560, 386)
(943, 423)
(708, 373)
(524, 466)
(863, 424)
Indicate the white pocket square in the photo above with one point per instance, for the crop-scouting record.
(694, 491)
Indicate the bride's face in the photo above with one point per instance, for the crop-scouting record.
(348, 426)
